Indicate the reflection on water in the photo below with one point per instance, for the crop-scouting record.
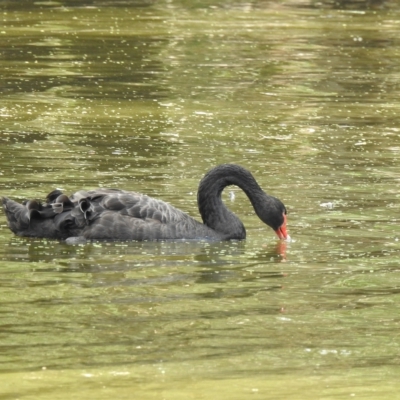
(148, 96)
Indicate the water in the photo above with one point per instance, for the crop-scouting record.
(149, 96)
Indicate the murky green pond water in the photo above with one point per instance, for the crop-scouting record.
(148, 96)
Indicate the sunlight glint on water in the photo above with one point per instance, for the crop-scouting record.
(148, 97)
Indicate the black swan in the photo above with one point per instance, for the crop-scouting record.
(113, 214)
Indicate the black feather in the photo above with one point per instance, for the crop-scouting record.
(114, 214)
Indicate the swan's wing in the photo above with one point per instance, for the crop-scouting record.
(135, 205)
(120, 215)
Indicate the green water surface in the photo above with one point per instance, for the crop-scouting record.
(148, 96)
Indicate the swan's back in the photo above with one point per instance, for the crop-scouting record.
(102, 214)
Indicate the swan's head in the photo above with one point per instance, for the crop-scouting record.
(274, 215)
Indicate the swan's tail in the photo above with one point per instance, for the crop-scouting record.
(35, 219)
(18, 215)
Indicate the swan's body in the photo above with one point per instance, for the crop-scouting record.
(112, 214)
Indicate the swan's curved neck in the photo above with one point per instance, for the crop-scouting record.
(213, 211)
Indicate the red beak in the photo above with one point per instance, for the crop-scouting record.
(281, 231)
